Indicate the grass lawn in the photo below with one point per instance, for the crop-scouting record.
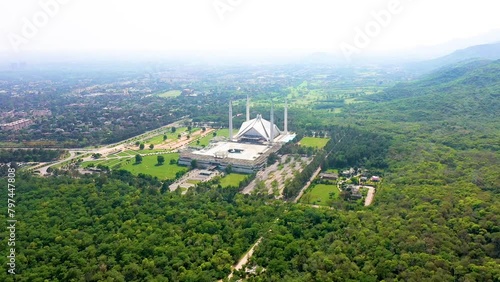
(223, 132)
(128, 153)
(158, 139)
(232, 179)
(332, 170)
(132, 153)
(96, 162)
(320, 194)
(314, 142)
(148, 166)
(169, 94)
(206, 140)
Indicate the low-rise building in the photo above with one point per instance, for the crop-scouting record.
(329, 176)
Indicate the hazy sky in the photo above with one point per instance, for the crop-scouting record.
(316, 25)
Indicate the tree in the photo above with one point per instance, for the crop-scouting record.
(203, 129)
(160, 159)
(173, 129)
(275, 185)
(214, 134)
(194, 164)
(165, 137)
(189, 128)
(272, 158)
(141, 147)
(307, 198)
(137, 143)
(198, 142)
(151, 146)
(138, 159)
(179, 136)
(355, 180)
(229, 169)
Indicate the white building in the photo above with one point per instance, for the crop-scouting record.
(246, 152)
(258, 129)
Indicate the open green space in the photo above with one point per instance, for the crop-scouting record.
(158, 139)
(319, 194)
(204, 141)
(232, 179)
(332, 170)
(147, 166)
(170, 94)
(128, 153)
(314, 142)
(90, 163)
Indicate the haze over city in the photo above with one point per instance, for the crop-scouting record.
(240, 27)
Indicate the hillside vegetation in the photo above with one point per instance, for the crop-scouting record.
(436, 217)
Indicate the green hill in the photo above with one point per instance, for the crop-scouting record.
(477, 52)
(457, 106)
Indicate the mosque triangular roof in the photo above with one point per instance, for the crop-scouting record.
(257, 128)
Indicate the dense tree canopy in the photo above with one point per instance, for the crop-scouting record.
(104, 227)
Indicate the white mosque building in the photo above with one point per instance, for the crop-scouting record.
(247, 151)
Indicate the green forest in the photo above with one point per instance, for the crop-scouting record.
(118, 228)
(30, 155)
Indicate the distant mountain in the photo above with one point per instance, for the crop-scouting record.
(484, 52)
(458, 103)
(472, 75)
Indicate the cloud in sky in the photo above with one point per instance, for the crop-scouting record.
(313, 25)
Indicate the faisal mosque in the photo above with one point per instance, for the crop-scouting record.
(247, 151)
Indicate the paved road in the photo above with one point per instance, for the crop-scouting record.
(72, 155)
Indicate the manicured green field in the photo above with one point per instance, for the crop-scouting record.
(86, 164)
(232, 179)
(223, 132)
(314, 142)
(148, 165)
(170, 94)
(128, 153)
(332, 170)
(158, 139)
(320, 194)
(204, 141)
